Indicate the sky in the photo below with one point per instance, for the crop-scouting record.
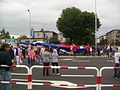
(15, 18)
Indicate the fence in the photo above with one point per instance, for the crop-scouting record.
(21, 83)
(30, 83)
(62, 84)
(107, 85)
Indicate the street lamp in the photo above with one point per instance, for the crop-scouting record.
(95, 27)
(29, 20)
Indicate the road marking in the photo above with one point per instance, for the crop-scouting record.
(72, 85)
(66, 59)
(19, 74)
(81, 61)
(77, 75)
(110, 60)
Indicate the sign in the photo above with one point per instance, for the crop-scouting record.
(10, 41)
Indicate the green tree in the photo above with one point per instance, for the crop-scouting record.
(4, 34)
(103, 42)
(23, 37)
(54, 39)
(77, 25)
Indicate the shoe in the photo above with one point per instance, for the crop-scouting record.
(116, 78)
(58, 73)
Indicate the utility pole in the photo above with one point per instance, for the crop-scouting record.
(95, 27)
(29, 21)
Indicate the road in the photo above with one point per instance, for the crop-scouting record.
(69, 76)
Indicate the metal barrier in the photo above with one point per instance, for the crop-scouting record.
(65, 67)
(29, 82)
(21, 83)
(107, 85)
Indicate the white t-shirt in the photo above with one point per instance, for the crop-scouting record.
(117, 56)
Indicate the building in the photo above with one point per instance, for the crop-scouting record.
(112, 36)
(41, 35)
(103, 37)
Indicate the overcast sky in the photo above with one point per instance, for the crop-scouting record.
(14, 16)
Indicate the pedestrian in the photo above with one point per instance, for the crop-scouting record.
(17, 53)
(42, 49)
(5, 72)
(109, 51)
(46, 61)
(74, 50)
(32, 56)
(55, 61)
(11, 51)
(28, 50)
(87, 49)
(117, 64)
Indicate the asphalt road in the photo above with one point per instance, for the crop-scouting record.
(70, 76)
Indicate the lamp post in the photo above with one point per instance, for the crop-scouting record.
(95, 27)
(29, 21)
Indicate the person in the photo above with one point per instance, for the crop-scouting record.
(42, 49)
(109, 51)
(23, 52)
(87, 48)
(46, 61)
(55, 61)
(17, 53)
(28, 51)
(117, 64)
(11, 51)
(5, 72)
(32, 56)
(98, 50)
(74, 50)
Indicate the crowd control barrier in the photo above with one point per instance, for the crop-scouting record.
(30, 83)
(62, 84)
(20, 83)
(107, 85)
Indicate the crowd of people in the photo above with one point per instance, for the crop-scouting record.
(16, 54)
(45, 55)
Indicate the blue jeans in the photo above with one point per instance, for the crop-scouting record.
(41, 58)
(5, 76)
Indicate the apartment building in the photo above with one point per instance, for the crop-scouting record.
(112, 36)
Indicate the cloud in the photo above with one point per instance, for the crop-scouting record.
(44, 13)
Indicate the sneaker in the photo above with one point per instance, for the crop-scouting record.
(116, 78)
(58, 73)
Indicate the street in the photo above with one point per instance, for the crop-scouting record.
(71, 76)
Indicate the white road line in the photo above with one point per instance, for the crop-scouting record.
(19, 74)
(81, 61)
(110, 60)
(77, 75)
(66, 59)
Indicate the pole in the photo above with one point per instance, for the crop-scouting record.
(29, 21)
(95, 27)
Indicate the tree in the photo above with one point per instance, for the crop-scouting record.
(103, 42)
(4, 34)
(77, 25)
(54, 39)
(23, 37)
